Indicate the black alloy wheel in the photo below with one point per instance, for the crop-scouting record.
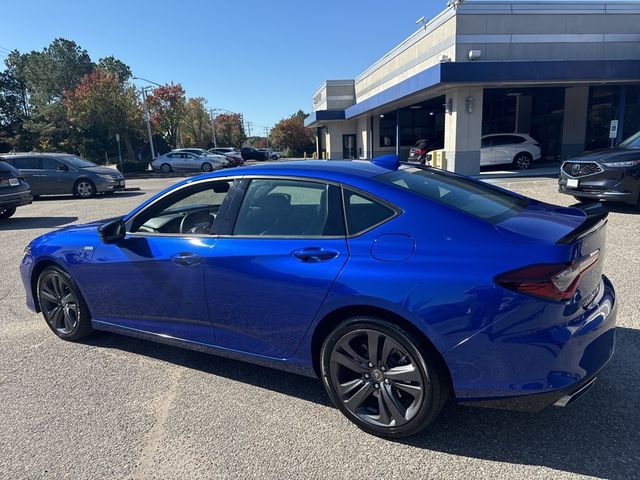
(6, 212)
(381, 377)
(522, 161)
(62, 306)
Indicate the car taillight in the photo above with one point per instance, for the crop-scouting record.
(549, 281)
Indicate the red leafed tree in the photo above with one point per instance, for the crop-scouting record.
(167, 107)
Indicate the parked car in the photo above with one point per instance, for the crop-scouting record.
(496, 300)
(63, 173)
(206, 153)
(517, 149)
(421, 150)
(250, 153)
(14, 190)
(232, 155)
(270, 153)
(176, 161)
(612, 174)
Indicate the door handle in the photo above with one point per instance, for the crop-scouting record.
(314, 254)
(187, 259)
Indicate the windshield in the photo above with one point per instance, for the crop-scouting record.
(78, 162)
(480, 200)
(632, 142)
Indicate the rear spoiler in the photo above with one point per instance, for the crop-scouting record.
(596, 219)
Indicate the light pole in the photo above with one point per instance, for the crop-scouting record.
(146, 113)
(213, 115)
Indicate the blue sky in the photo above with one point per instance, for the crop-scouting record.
(264, 59)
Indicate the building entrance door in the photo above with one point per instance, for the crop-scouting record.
(348, 147)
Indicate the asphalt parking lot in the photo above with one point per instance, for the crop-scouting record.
(116, 407)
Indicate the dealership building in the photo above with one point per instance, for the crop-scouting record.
(558, 71)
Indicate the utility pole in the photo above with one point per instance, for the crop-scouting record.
(266, 134)
(249, 125)
(119, 153)
(146, 116)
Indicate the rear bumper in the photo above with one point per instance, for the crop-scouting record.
(17, 199)
(517, 365)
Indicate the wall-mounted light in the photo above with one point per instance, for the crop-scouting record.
(415, 107)
(423, 22)
(448, 106)
(469, 104)
(382, 115)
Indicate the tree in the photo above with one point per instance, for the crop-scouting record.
(14, 105)
(167, 107)
(229, 130)
(196, 124)
(290, 134)
(118, 68)
(56, 69)
(99, 108)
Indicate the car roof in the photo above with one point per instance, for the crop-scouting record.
(30, 154)
(314, 168)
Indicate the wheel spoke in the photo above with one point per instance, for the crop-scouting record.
(392, 404)
(346, 388)
(68, 298)
(404, 373)
(389, 346)
(48, 296)
(57, 316)
(373, 339)
(413, 390)
(383, 414)
(348, 362)
(348, 349)
(68, 321)
(359, 397)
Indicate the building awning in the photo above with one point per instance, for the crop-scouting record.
(496, 73)
(316, 118)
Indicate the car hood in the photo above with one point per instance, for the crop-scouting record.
(101, 170)
(608, 155)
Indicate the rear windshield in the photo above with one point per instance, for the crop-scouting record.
(474, 198)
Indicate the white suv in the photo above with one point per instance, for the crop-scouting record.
(518, 149)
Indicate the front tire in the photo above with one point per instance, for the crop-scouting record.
(84, 189)
(6, 212)
(165, 168)
(381, 377)
(522, 161)
(62, 305)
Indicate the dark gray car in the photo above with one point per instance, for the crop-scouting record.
(62, 173)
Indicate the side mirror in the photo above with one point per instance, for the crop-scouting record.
(64, 168)
(113, 231)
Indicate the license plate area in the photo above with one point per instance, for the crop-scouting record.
(572, 182)
(14, 182)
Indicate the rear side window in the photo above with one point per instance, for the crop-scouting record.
(473, 198)
(364, 213)
(25, 163)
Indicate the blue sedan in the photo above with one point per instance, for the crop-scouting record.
(402, 287)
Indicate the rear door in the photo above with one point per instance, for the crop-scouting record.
(31, 168)
(274, 263)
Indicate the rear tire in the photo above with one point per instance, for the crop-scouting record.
(522, 161)
(206, 167)
(62, 305)
(6, 212)
(382, 377)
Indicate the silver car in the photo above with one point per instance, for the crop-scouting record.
(63, 173)
(186, 160)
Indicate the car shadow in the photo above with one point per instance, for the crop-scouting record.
(615, 207)
(28, 223)
(597, 435)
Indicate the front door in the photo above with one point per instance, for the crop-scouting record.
(154, 279)
(269, 274)
(348, 147)
(59, 177)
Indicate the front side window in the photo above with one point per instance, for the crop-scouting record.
(189, 211)
(290, 208)
(50, 164)
(364, 213)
